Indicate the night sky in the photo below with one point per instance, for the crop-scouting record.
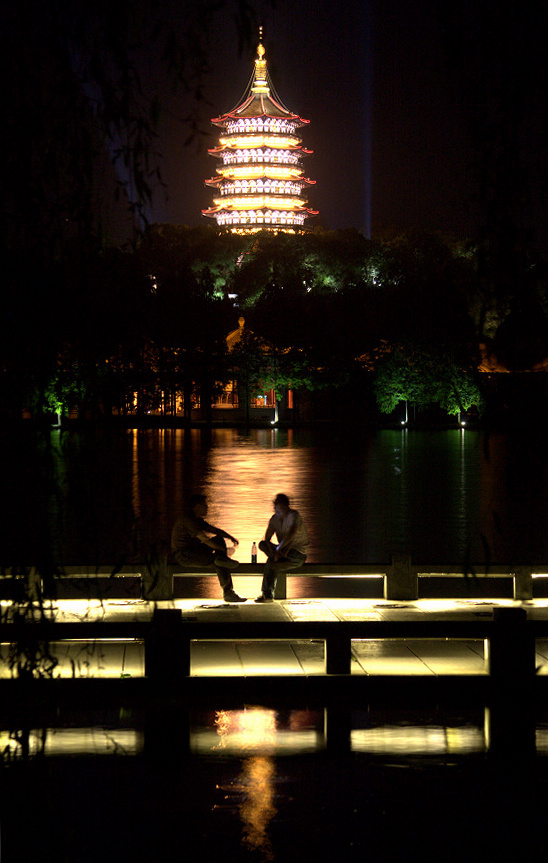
(433, 98)
(424, 114)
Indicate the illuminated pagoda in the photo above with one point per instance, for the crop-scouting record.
(260, 176)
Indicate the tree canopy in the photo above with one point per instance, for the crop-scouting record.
(425, 376)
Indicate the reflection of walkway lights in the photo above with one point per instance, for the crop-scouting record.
(252, 729)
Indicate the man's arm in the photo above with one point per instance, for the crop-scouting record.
(218, 531)
(207, 540)
(270, 530)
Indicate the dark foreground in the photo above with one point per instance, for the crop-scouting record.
(314, 807)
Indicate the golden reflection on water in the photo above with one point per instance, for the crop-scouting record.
(252, 730)
(252, 733)
(239, 473)
(244, 474)
(258, 810)
(362, 498)
(246, 730)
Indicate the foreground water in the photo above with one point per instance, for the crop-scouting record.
(441, 496)
(261, 807)
(416, 787)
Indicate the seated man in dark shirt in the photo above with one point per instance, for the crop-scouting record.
(194, 542)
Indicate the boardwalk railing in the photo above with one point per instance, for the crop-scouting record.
(168, 637)
(510, 637)
(511, 688)
(401, 579)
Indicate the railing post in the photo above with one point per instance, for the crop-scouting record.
(167, 661)
(523, 583)
(157, 580)
(167, 731)
(338, 651)
(512, 670)
(401, 580)
(167, 647)
(338, 728)
(511, 646)
(34, 586)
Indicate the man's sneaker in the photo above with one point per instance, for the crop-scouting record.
(263, 598)
(232, 596)
(225, 562)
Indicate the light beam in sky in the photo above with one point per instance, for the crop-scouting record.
(368, 122)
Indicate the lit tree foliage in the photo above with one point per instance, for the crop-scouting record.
(424, 376)
(261, 366)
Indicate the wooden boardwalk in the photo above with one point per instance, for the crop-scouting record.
(205, 655)
(255, 656)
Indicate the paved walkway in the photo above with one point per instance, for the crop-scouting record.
(299, 657)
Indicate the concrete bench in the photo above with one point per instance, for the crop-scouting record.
(401, 579)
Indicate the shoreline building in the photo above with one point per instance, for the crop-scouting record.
(260, 177)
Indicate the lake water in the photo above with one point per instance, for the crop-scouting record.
(415, 783)
(437, 495)
(422, 794)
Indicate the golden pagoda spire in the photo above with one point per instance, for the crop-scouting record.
(260, 84)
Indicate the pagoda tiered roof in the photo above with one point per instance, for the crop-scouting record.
(259, 106)
(260, 176)
(268, 172)
(258, 99)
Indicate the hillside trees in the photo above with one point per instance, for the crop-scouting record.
(154, 319)
(332, 302)
(260, 366)
(425, 376)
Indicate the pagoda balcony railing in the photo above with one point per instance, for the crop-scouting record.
(260, 189)
(284, 157)
(274, 127)
(241, 220)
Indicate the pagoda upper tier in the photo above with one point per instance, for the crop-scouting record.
(260, 177)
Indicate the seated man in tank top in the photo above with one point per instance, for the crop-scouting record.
(290, 551)
(194, 542)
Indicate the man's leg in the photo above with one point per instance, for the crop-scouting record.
(205, 557)
(269, 574)
(223, 566)
(294, 560)
(268, 548)
(201, 556)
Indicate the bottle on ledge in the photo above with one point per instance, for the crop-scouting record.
(254, 553)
